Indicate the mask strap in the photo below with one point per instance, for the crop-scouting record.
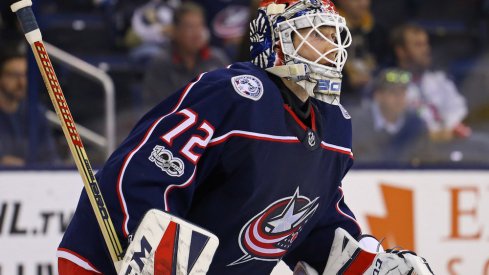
(293, 70)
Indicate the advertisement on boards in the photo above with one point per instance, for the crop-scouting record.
(442, 215)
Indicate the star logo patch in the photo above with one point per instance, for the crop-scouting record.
(269, 235)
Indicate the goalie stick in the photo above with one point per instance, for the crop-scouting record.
(34, 37)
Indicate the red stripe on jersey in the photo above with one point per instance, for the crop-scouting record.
(164, 253)
(313, 119)
(76, 257)
(294, 116)
(67, 267)
(301, 124)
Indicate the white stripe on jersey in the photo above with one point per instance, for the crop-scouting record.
(253, 134)
(343, 213)
(134, 151)
(285, 139)
(76, 260)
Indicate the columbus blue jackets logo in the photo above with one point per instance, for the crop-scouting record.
(268, 235)
(248, 86)
(164, 159)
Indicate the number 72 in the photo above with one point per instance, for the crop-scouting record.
(189, 121)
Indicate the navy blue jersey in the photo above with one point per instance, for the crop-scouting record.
(226, 153)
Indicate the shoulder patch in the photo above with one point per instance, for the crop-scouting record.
(248, 86)
(344, 112)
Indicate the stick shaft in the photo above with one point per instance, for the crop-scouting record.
(33, 35)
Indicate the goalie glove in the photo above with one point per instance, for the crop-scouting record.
(165, 244)
(347, 257)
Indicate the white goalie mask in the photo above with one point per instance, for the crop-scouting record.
(283, 30)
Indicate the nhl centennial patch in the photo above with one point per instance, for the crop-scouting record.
(164, 159)
(248, 86)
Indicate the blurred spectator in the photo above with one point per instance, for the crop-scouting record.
(391, 13)
(476, 87)
(228, 21)
(230, 26)
(189, 55)
(151, 30)
(386, 130)
(14, 124)
(243, 54)
(432, 94)
(369, 48)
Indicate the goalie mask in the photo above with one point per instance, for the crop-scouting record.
(285, 30)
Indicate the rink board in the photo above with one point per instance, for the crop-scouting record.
(442, 214)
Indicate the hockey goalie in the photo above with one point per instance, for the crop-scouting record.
(254, 153)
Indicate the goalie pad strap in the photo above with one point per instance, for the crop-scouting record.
(358, 263)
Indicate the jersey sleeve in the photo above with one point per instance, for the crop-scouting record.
(315, 249)
(165, 158)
